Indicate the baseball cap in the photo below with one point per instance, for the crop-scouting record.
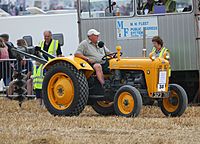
(93, 32)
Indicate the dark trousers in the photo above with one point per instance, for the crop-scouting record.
(38, 93)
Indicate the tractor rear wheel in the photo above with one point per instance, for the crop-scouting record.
(105, 108)
(65, 90)
(176, 104)
(128, 101)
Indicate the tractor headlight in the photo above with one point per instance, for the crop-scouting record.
(83, 64)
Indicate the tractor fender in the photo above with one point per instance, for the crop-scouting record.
(78, 63)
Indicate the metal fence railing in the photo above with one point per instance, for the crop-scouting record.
(7, 74)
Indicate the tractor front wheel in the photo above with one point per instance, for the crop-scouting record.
(176, 104)
(65, 90)
(128, 101)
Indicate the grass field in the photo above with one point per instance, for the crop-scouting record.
(32, 124)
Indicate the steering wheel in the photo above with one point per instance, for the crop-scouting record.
(111, 56)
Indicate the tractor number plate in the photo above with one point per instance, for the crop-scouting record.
(161, 87)
(162, 81)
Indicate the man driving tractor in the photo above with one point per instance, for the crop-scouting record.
(89, 51)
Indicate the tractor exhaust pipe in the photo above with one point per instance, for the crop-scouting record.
(144, 50)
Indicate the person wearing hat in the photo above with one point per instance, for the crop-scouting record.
(89, 51)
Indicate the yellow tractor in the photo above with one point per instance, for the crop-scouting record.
(70, 84)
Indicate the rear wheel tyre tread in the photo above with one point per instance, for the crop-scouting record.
(84, 91)
(81, 84)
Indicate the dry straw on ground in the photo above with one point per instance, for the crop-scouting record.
(32, 124)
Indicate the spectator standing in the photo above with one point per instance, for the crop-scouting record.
(50, 45)
(9, 44)
(37, 80)
(4, 64)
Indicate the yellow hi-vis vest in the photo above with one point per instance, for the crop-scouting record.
(52, 48)
(167, 5)
(37, 77)
(161, 54)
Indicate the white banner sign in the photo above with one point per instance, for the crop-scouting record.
(133, 28)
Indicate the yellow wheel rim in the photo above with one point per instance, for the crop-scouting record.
(105, 104)
(60, 91)
(125, 103)
(172, 102)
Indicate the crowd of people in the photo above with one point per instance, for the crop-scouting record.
(34, 73)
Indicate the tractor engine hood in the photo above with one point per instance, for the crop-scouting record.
(137, 63)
